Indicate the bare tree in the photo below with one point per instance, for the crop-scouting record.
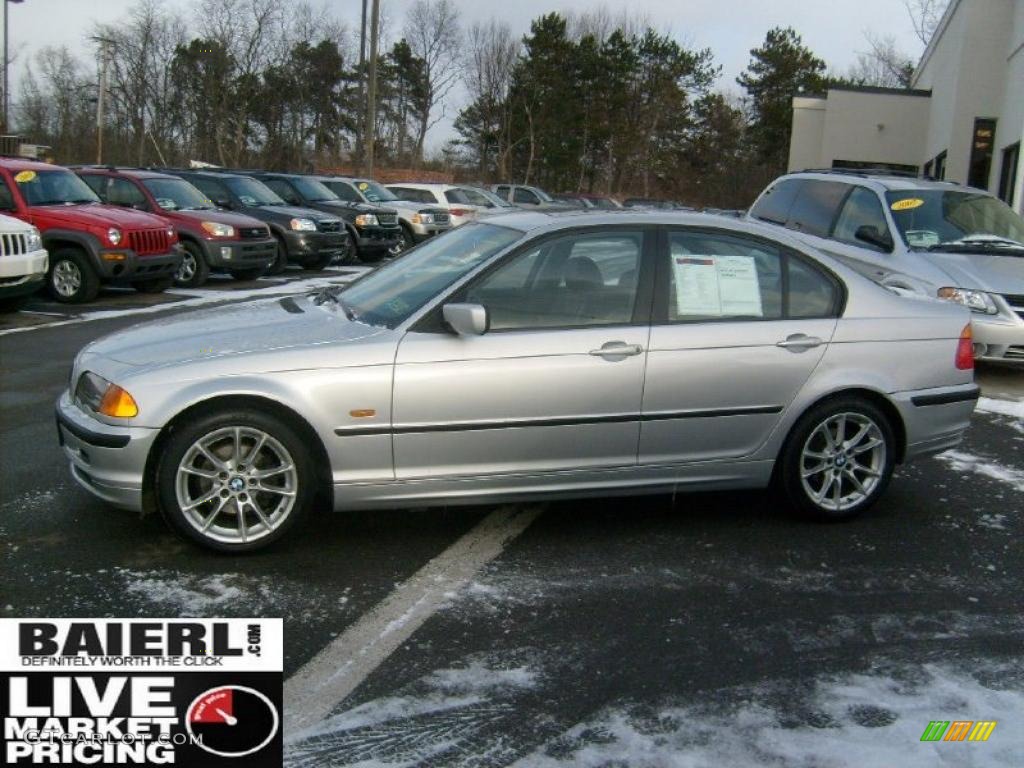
(491, 53)
(432, 30)
(883, 64)
(925, 15)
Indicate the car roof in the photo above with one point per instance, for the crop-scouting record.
(135, 173)
(878, 180)
(17, 163)
(421, 184)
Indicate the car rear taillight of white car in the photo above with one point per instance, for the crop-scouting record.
(965, 350)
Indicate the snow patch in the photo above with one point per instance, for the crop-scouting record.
(961, 461)
(196, 597)
(1014, 408)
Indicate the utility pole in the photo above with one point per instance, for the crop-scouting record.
(7, 61)
(371, 96)
(362, 83)
(100, 98)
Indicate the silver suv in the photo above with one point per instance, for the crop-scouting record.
(934, 238)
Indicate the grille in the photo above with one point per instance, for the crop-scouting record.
(387, 219)
(328, 225)
(1016, 302)
(442, 218)
(12, 245)
(148, 241)
(252, 233)
(1015, 353)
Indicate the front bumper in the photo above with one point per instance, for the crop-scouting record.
(421, 232)
(303, 246)
(23, 273)
(935, 419)
(239, 254)
(372, 239)
(123, 265)
(998, 338)
(108, 461)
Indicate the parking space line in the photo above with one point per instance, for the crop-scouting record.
(328, 678)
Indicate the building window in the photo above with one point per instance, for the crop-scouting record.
(940, 166)
(927, 172)
(1008, 173)
(981, 153)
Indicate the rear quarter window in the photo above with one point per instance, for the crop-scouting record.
(773, 206)
(816, 206)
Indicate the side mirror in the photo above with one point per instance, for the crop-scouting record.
(466, 319)
(222, 203)
(869, 234)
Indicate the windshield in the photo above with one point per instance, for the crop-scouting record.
(374, 192)
(928, 218)
(483, 197)
(53, 188)
(252, 192)
(313, 191)
(603, 203)
(177, 195)
(391, 294)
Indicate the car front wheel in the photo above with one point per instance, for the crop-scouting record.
(235, 482)
(838, 460)
(194, 270)
(72, 280)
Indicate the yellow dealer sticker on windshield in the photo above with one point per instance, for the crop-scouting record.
(25, 177)
(363, 186)
(907, 204)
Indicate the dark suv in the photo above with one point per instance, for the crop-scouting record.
(374, 229)
(304, 236)
(88, 242)
(211, 239)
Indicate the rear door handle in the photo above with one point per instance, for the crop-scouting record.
(798, 342)
(617, 349)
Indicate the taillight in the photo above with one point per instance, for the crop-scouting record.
(460, 211)
(965, 350)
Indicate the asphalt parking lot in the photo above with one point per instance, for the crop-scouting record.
(704, 630)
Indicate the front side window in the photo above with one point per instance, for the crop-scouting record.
(124, 193)
(211, 188)
(940, 219)
(313, 190)
(281, 188)
(344, 191)
(394, 292)
(862, 221)
(571, 281)
(522, 195)
(97, 184)
(715, 276)
(53, 188)
(457, 197)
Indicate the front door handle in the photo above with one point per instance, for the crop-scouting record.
(617, 349)
(798, 342)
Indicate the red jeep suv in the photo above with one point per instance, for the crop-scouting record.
(88, 242)
(211, 239)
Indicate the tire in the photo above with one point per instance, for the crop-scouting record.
(808, 448)
(247, 274)
(277, 266)
(287, 493)
(319, 263)
(408, 241)
(72, 279)
(194, 270)
(153, 285)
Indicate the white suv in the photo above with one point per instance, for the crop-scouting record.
(23, 261)
(446, 196)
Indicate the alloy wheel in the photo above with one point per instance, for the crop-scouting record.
(236, 485)
(187, 270)
(67, 278)
(842, 461)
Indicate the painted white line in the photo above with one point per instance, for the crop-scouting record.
(199, 298)
(329, 677)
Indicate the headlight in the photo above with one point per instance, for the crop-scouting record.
(303, 225)
(976, 301)
(366, 220)
(216, 229)
(102, 396)
(172, 233)
(423, 218)
(114, 235)
(33, 241)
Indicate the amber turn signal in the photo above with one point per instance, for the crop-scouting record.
(118, 403)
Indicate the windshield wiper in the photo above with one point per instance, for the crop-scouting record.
(331, 294)
(979, 241)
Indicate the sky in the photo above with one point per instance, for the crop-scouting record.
(833, 29)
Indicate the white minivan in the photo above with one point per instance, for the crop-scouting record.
(23, 262)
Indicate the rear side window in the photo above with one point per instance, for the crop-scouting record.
(816, 206)
(211, 188)
(97, 184)
(774, 205)
(283, 189)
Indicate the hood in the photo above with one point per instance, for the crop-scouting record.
(293, 211)
(359, 207)
(236, 220)
(292, 323)
(991, 272)
(100, 215)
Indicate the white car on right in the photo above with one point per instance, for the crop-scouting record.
(447, 196)
(933, 238)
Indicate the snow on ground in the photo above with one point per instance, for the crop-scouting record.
(961, 461)
(855, 721)
(1014, 408)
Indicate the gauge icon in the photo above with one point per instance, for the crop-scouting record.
(232, 721)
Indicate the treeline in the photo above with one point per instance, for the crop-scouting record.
(582, 102)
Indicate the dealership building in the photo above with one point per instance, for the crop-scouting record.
(962, 118)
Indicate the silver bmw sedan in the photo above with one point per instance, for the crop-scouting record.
(531, 355)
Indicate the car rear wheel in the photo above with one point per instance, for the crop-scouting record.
(235, 481)
(194, 270)
(247, 274)
(838, 459)
(279, 263)
(72, 280)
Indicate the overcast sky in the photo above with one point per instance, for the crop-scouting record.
(833, 30)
